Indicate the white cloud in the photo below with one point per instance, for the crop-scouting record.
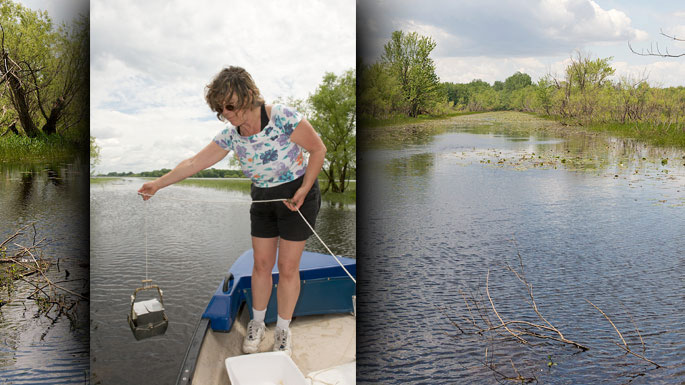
(495, 27)
(662, 73)
(150, 62)
(584, 21)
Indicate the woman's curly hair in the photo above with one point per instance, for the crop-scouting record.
(228, 82)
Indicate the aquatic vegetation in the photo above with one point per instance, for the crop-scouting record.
(15, 148)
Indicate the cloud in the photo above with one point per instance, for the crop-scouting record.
(151, 60)
(496, 28)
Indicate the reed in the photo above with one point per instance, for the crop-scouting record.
(15, 148)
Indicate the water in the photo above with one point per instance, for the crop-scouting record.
(35, 348)
(191, 246)
(605, 224)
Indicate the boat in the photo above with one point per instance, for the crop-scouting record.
(323, 325)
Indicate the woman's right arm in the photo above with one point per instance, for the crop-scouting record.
(209, 156)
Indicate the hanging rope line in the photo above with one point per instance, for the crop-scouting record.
(145, 228)
(246, 201)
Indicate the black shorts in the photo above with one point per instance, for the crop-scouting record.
(274, 219)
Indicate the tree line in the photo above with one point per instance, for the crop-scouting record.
(585, 94)
(208, 173)
(403, 83)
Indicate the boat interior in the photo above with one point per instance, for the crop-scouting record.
(319, 342)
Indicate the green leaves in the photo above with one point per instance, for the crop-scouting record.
(407, 58)
(334, 118)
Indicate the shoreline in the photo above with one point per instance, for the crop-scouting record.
(390, 130)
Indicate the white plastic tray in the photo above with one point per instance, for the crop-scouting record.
(275, 368)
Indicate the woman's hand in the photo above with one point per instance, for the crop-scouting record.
(148, 190)
(296, 201)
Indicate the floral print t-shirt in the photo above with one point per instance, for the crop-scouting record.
(268, 157)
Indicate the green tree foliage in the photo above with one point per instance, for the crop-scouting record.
(517, 81)
(334, 117)
(42, 72)
(407, 57)
(586, 95)
(380, 93)
(94, 154)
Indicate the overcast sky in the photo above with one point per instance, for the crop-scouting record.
(60, 11)
(150, 62)
(492, 39)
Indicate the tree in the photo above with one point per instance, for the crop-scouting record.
(517, 81)
(380, 92)
(334, 117)
(94, 154)
(656, 51)
(408, 59)
(42, 69)
(544, 93)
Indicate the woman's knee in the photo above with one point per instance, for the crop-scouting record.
(263, 266)
(289, 269)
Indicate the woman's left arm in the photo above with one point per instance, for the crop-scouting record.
(305, 136)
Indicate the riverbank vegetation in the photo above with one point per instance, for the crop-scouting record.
(403, 88)
(43, 84)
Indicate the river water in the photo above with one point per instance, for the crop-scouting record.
(37, 348)
(593, 217)
(194, 234)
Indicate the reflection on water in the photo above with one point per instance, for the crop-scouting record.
(36, 348)
(593, 217)
(191, 244)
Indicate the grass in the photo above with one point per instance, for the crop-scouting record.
(660, 134)
(368, 122)
(231, 184)
(347, 197)
(663, 135)
(101, 180)
(15, 148)
(243, 185)
(656, 134)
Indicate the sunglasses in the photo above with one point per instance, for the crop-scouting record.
(230, 107)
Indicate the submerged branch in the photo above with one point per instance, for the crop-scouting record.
(25, 262)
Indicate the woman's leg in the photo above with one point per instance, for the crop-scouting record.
(264, 260)
(289, 255)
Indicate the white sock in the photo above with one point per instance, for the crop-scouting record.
(282, 324)
(258, 315)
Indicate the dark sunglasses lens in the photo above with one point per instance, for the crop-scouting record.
(229, 107)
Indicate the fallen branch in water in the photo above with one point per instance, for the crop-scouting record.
(520, 330)
(21, 258)
(482, 318)
(625, 346)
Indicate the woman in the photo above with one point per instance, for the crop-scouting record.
(268, 140)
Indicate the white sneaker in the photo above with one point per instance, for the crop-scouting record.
(255, 335)
(283, 341)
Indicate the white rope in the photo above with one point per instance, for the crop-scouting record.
(145, 215)
(257, 201)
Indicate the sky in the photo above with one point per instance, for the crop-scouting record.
(492, 39)
(60, 11)
(151, 61)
